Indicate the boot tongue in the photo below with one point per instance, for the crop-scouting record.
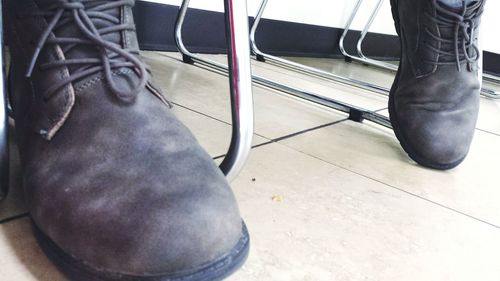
(469, 10)
(448, 31)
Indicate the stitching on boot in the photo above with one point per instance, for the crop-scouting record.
(99, 78)
(125, 32)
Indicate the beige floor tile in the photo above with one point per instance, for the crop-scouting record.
(370, 150)
(489, 116)
(316, 222)
(20, 257)
(207, 92)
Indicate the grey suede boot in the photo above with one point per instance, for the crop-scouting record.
(117, 187)
(434, 101)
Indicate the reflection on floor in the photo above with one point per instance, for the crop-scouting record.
(324, 198)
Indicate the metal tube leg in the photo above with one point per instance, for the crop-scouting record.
(367, 27)
(361, 58)
(348, 57)
(256, 24)
(359, 45)
(240, 80)
(4, 124)
(181, 16)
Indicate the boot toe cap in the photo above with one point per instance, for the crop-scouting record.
(146, 234)
(438, 139)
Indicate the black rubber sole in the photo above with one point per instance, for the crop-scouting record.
(78, 271)
(393, 116)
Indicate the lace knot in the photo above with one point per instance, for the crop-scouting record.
(112, 55)
(462, 45)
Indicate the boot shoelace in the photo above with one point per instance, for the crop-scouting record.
(463, 41)
(112, 55)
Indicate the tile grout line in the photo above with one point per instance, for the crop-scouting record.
(488, 132)
(213, 118)
(276, 140)
(401, 190)
(430, 201)
(200, 113)
(302, 132)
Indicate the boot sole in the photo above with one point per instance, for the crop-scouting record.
(79, 271)
(393, 116)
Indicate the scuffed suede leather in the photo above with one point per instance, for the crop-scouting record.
(434, 106)
(122, 186)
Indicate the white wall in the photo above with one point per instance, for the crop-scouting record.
(334, 13)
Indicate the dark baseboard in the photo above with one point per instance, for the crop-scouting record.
(204, 33)
(491, 63)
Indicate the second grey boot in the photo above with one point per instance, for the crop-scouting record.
(434, 101)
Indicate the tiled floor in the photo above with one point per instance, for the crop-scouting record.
(324, 198)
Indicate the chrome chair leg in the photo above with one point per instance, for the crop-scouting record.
(255, 49)
(348, 57)
(359, 45)
(240, 79)
(4, 123)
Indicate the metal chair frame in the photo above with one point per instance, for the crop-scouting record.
(485, 92)
(361, 57)
(355, 113)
